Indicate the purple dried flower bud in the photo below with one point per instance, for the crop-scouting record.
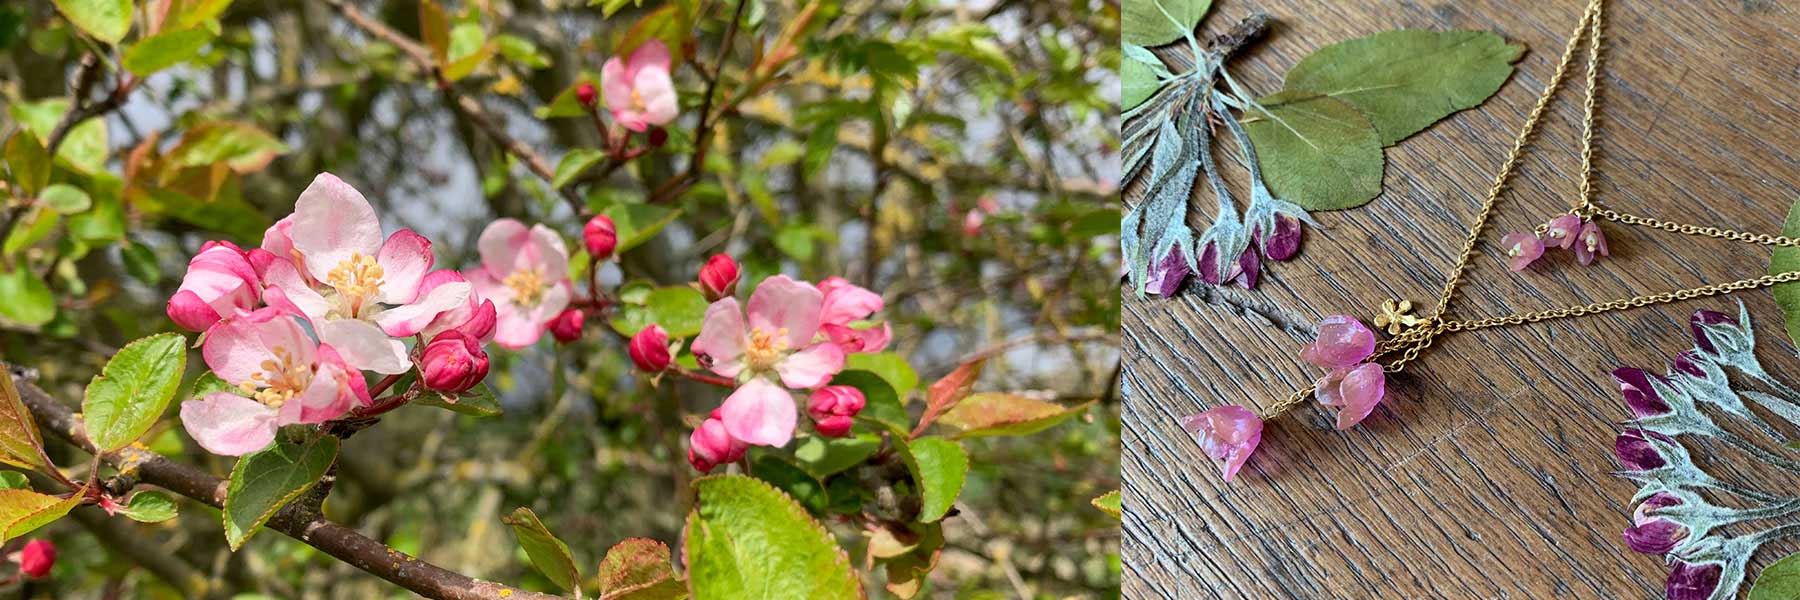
(1635, 451)
(1651, 534)
(1209, 264)
(1702, 325)
(1284, 242)
(1167, 275)
(1249, 267)
(1687, 362)
(1643, 399)
(1693, 581)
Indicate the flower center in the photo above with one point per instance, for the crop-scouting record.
(281, 378)
(527, 286)
(1592, 241)
(765, 348)
(637, 100)
(356, 279)
(1515, 250)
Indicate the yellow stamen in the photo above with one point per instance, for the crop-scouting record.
(527, 286)
(356, 279)
(281, 379)
(766, 348)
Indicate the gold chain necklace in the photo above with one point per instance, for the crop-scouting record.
(1419, 333)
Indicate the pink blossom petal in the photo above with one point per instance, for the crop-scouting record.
(409, 319)
(546, 252)
(1353, 393)
(191, 312)
(721, 338)
(1227, 433)
(500, 245)
(657, 93)
(782, 304)
(331, 222)
(615, 84)
(228, 424)
(287, 288)
(1590, 243)
(236, 348)
(1521, 250)
(845, 302)
(1343, 341)
(650, 54)
(865, 340)
(326, 397)
(278, 239)
(812, 367)
(516, 330)
(404, 260)
(760, 413)
(364, 346)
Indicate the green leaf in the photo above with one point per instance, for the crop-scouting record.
(23, 510)
(565, 103)
(14, 480)
(1317, 151)
(25, 298)
(27, 162)
(1784, 259)
(939, 466)
(823, 457)
(677, 308)
(101, 224)
(434, 30)
(747, 540)
(1140, 75)
(166, 49)
(803, 487)
(140, 262)
(1109, 503)
(263, 482)
(105, 20)
(469, 47)
(881, 405)
(31, 228)
(796, 241)
(996, 414)
(1778, 581)
(478, 401)
(550, 555)
(66, 199)
(1147, 22)
(149, 507)
(669, 24)
(229, 215)
(84, 149)
(1405, 80)
(20, 443)
(196, 12)
(521, 51)
(639, 569)
(574, 164)
(637, 222)
(133, 390)
(891, 367)
(242, 146)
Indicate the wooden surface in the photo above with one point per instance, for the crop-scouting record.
(1487, 471)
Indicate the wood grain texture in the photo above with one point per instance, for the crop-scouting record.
(1487, 471)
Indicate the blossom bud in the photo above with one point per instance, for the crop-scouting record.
(220, 282)
(831, 408)
(37, 557)
(649, 349)
(600, 236)
(710, 446)
(566, 326)
(586, 95)
(657, 137)
(453, 362)
(718, 279)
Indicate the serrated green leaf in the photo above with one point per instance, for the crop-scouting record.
(639, 569)
(800, 485)
(24, 510)
(996, 414)
(1778, 581)
(149, 507)
(105, 20)
(1784, 259)
(550, 555)
(478, 401)
(891, 367)
(133, 390)
(823, 457)
(678, 308)
(939, 467)
(1317, 151)
(1158, 22)
(28, 163)
(748, 540)
(20, 443)
(881, 405)
(1109, 503)
(25, 298)
(1405, 80)
(575, 163)
(65, 199)
(166, 49)
(263, 482)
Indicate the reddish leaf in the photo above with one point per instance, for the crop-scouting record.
(945, 393)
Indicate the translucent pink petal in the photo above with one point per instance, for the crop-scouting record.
(760, 413)
(722, 335)
(500, 245)
(1352, 392)
(409, 319)
(191, 312)
(1227, 433)
(1562, 231)
(228, 424)
(552, 303)
(846, 302)
(278, 239)
(781, 303)
(404, 260)
(331, 222)
(1343, 341)
(1521, 249)
(236, 347)
(812, 367)
(1590, 243)
(364, 346)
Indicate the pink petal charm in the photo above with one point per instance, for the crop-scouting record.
(1521, 250)
(1353, 393)
(1590, 243)
(1226, 433)
(1343, 341)
(1562, 231)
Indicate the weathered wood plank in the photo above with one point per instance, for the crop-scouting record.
(1486, 473)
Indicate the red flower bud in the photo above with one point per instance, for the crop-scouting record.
(37, 557)
(600, 236)
(657, 136)
(566, 326)
(453, 362)
(710, 446)
(649, 349)
(586, 95)
(718, 279)
(832, 407)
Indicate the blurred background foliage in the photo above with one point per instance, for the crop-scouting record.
(863, 158)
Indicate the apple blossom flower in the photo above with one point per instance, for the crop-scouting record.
(36, 558)
(600, 236)
(710, 445)
(220, 282)
(474, 317)
(1652, 534)
(1562, 231)
(971, 222)
(1342, 341)
(452, 362)
(772, 339)
(719, 277)
(525, 272)
(1352, 392)
(1227, 433)
(283, 376)
(845, 305)
(1590, 243)
(649, 349)
(1521, 250)
(566, 326)
(638, 90)
(832, 407)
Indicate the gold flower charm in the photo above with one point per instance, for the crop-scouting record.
(1393, 316)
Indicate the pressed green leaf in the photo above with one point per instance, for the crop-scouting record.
(997, 414)
(574, 164)
(106, 20)
(677, 308)
(550, 555)
(166, 49)
(20, 443)
(28, 163)
(823, 457)
(149, 507)
(25, 298)
(881, 405)
(639, 569)
(1778, 581)
(748, 540)
(938, 466)
(1405, 80)
(242, 146)
(891, 367)
(263, 482)
(1158, 22)
(1784, 259)
(1140, 75)
(478, 401)
(66, 199)
(1109, 503)
(133, 390)
(23, 510)
(1317, 151)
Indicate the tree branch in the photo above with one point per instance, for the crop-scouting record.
(341, 542)
(80, 110)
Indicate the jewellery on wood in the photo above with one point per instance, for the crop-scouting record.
(1358, 363)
